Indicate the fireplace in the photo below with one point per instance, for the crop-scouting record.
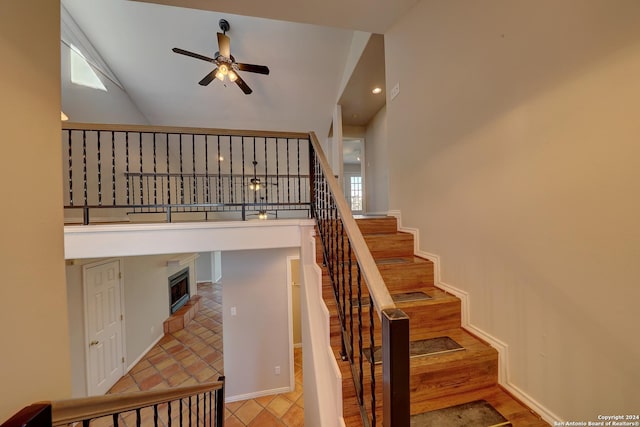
(178, 289)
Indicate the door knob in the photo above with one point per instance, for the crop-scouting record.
(94, 342)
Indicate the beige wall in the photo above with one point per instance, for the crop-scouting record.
(34, 362)
(514, 148)
(257, 339)
(377, 166)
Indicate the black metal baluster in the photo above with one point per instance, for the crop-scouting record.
(193, 169)
(169, 421)
(190, 410)
(138, 418)
(206, 168)
(181, 173)
(155, 174)
(220, 199)
(115, 420)
(155, 415)
(266, 175)
(113, 167)
(277, 172)
(70, 140)
(360, 340)
(84, 164)
(344, 293)
(349, 254)
(244, 182)
(99, 135)
(140, 135)
(373, 365)
(181, 412)
(231, 199)
(255, 171)
(126, 138)
(168, 173)
(288, 175)
(299, 183)
(197, 410)
(85, 423)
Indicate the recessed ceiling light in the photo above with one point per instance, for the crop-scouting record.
(377, 90)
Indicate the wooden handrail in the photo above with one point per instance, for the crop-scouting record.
(75, 410)
(377, 288)
(182, 130)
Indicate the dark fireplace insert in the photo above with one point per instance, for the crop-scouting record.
(178, 289)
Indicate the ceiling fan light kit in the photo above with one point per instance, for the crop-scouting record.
(226, 65)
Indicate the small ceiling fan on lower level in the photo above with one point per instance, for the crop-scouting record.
(226, 65)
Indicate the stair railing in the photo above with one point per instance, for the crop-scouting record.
(350, 266)
(197, 405)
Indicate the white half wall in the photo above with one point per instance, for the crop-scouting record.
(257, 336)
(98, 241)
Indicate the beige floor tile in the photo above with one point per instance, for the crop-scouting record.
(248, 411)
(279, 406)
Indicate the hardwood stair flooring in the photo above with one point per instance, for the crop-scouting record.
(438, 380)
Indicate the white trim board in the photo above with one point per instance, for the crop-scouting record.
(503, 348)
(257, 394)
(144, 353)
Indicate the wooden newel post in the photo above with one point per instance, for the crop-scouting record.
(36, 415)
(395, 368)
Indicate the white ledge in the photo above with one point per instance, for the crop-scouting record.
(97, 241)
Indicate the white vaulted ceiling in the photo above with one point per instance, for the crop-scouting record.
(306, 61)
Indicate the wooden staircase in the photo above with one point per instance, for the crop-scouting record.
(437, 380)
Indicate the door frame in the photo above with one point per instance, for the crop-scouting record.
(292, 382)
(87, 340)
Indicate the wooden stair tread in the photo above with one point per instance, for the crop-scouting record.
(510, 408)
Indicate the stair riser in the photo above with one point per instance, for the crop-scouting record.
(380, 225)
(381, 246)
(439, 382)
(387, 225)
(404, 278)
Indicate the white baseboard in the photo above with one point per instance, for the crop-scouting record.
(147, 350)
(237, 397)
(465, 299)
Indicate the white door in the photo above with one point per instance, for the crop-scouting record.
(103, 323)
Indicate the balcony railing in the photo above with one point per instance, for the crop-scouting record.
(139, 169)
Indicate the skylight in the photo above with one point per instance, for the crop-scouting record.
(81, 71)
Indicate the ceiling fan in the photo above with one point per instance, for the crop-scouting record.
(226, 65)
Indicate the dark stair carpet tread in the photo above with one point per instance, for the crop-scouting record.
(398, 298)
(479, 413)
(420, 348)
(389, 261)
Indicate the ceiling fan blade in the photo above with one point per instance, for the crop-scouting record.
(193, 55)
(208, 78)
(245, 88)
(260, 69)
(223, 45)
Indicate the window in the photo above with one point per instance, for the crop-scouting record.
(356, 193)
(82, 73)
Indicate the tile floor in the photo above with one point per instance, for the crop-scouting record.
(194, 355)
